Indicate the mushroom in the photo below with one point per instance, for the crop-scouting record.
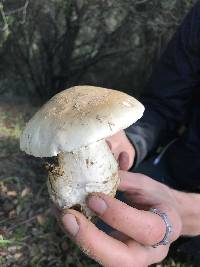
(73, 126)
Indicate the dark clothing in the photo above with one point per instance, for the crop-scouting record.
(172, 98)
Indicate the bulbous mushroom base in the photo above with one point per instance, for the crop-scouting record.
(91, 169)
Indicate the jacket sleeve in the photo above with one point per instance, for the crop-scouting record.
(168, 94)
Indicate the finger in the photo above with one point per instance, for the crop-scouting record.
(121, 149)
(114, 149)
(147, 255)
(142, 255)
(133, 182)
(119, 236)
(141, 189)
(113, 144)
(95, 243)
(104, 249)
(122, 157)
(124, 162)
(144, 192)
(143, 226)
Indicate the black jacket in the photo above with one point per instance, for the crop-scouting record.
(172, 98)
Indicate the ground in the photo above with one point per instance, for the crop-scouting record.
(29, 233)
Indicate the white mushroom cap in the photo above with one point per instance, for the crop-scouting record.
(77, 117)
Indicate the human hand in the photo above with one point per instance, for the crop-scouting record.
(122, 150)
(136, 230)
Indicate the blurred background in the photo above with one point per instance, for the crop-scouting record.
(45, 47)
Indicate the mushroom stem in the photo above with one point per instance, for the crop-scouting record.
(92, 168)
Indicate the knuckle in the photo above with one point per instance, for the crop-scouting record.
(158, 235)
(152, 234)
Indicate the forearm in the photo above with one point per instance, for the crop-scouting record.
(188, 205)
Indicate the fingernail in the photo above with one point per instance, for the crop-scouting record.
(97, 204)
(70, 224)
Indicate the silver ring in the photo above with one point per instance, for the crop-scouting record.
(164, 216)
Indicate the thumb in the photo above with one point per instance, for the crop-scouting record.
(124, 161)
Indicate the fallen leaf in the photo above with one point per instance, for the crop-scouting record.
(12, 193)
(25, 192)
(12, 214)
(18, 256)
(41, 219)
(4, 188)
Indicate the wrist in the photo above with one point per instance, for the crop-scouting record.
(188, 207)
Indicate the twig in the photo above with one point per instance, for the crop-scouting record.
(24, 12)
(17, 10)
(5, 27)
(39, 192)
(141, 2)
(4, 14)
(5, 220)
(21, 223)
